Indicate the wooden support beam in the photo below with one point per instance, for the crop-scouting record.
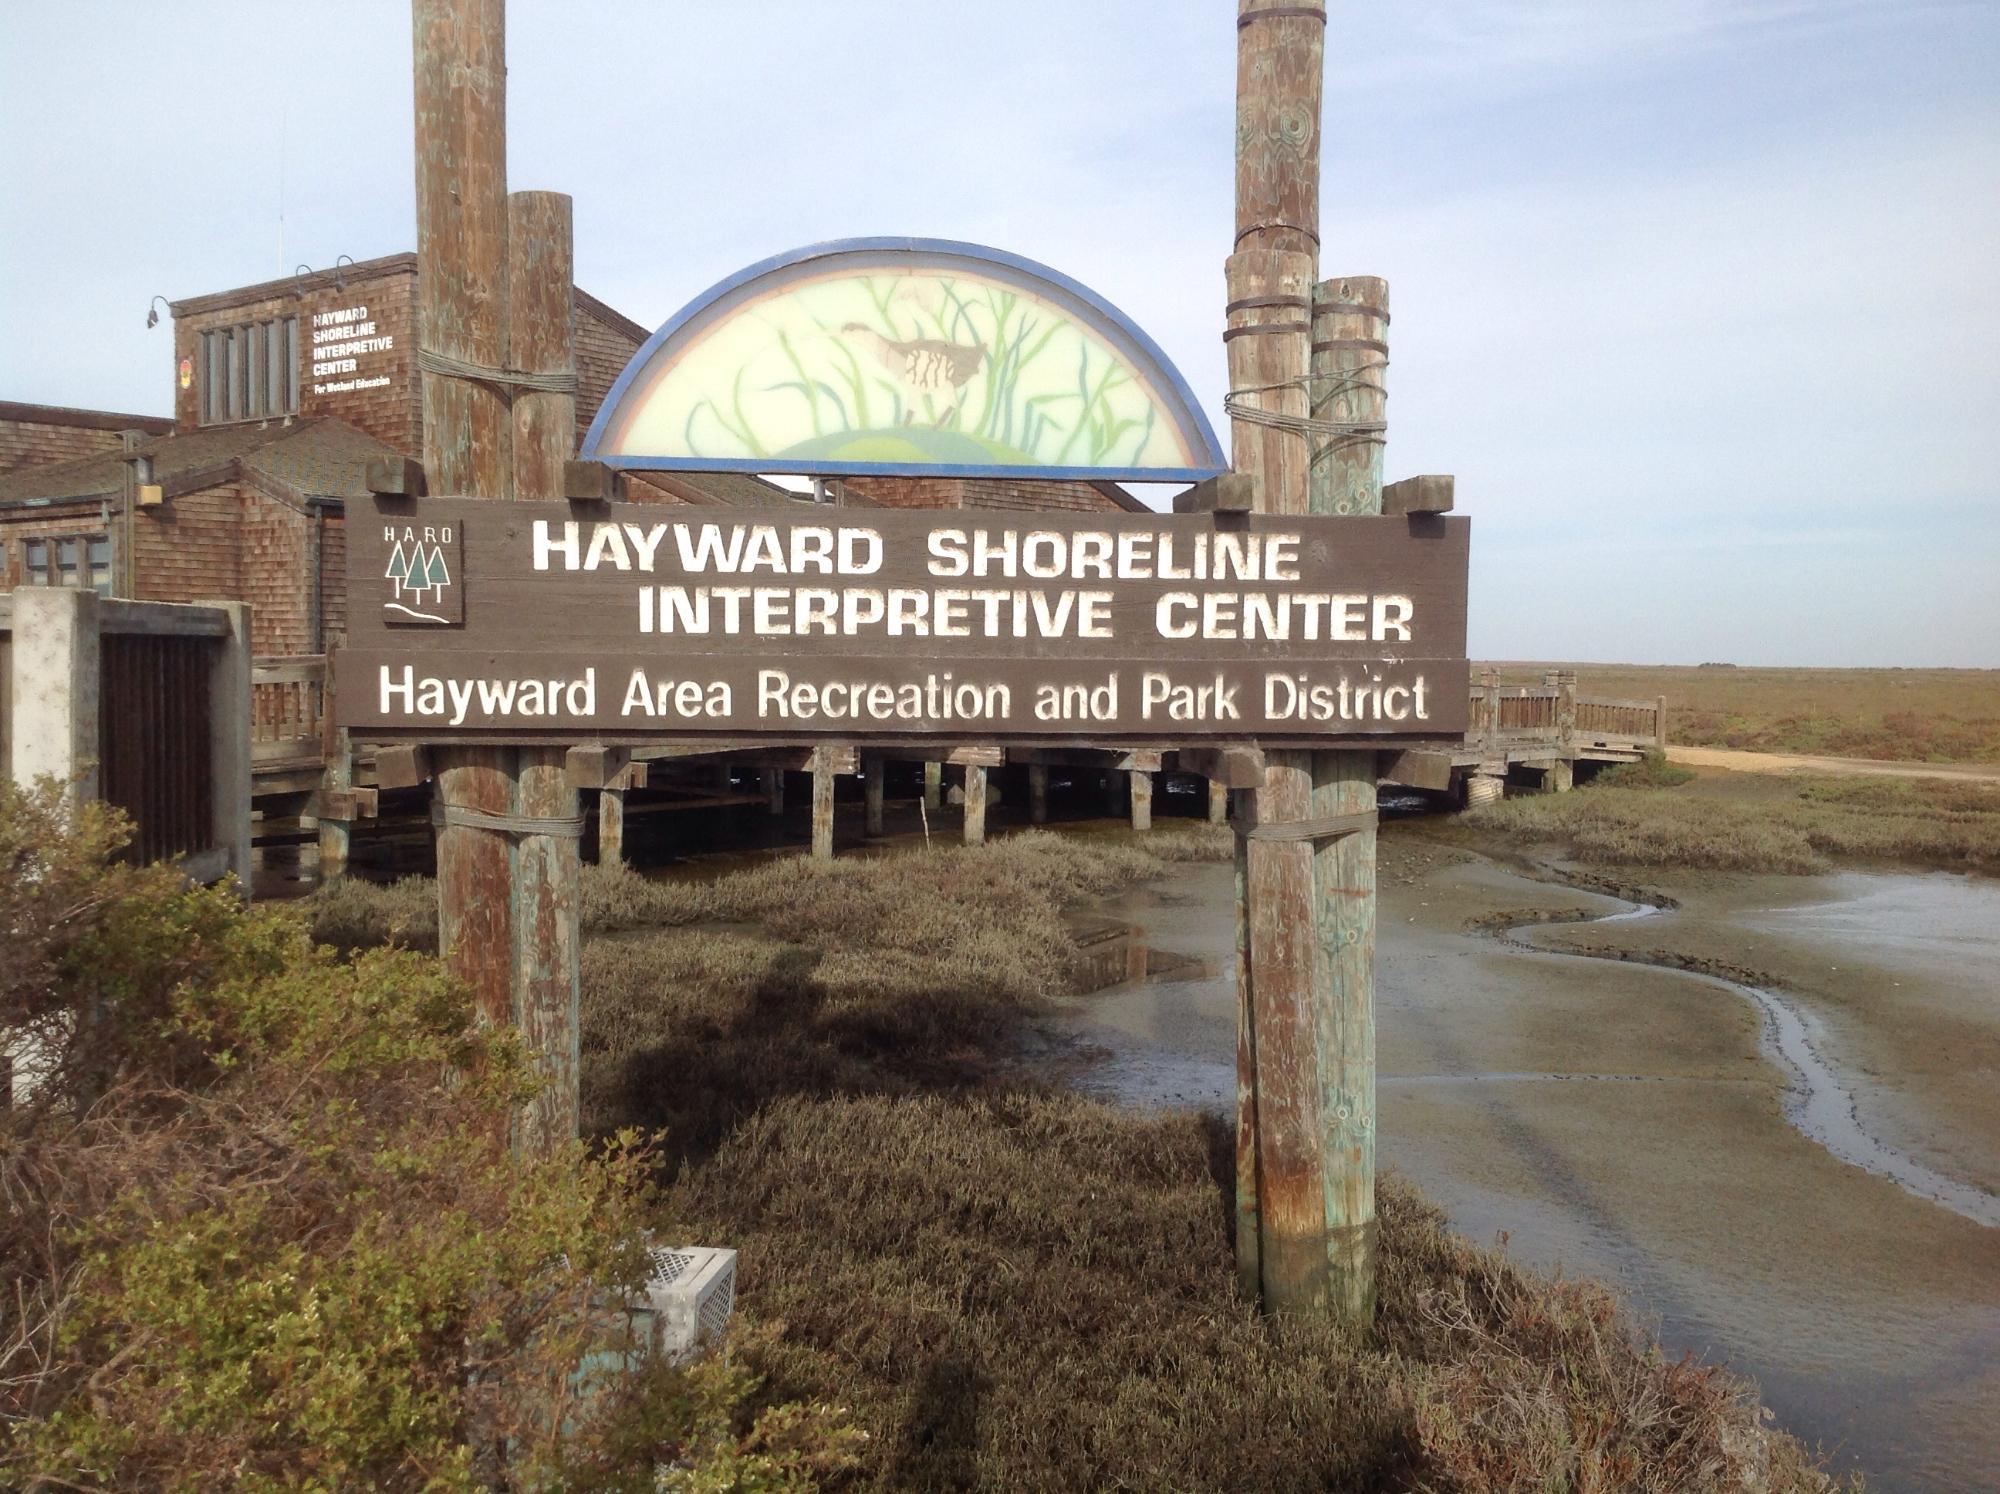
(1230, 493)
(594, 764)
(822, 818)
(933, 786)
(548, 866)
(1415, 768)
(975, 806)
(1430, 494)
(1350, 361)
(592, 482)
(1038, 794)
(1232, 767)
(401, 765)
(1126, 760)
(610, 827)
(342, 805)
(872, 771)
(774, 790)
(1141, 794)
(1218, 802)
(1281, 1173)
(397, 477)
(495, 291)
(335, 831)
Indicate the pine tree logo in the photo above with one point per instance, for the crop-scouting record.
(419, 574)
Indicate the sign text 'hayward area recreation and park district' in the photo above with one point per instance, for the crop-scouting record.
(546, 621)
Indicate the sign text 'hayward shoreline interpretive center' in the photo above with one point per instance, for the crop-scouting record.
(474, 620)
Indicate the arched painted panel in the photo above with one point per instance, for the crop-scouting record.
(905, 357)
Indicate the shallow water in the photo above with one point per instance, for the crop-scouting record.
(1695, 1141)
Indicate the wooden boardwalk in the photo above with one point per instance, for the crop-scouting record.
(306, 782)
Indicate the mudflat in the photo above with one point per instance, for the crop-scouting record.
(1634, 1123)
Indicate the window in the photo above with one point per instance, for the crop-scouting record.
(248, 372)
(68, 560)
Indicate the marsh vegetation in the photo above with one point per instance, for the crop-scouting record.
(1010, 1286)
(1655, 815)
(1904, 715)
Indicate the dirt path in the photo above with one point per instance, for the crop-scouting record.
(1853, 767)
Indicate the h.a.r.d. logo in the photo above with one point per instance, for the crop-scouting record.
(422, 574)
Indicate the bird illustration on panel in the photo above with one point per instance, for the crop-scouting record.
(924, 366)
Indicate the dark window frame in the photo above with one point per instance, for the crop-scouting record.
(247, 371)
(93, 560)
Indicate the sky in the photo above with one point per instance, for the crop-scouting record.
(1698, 299)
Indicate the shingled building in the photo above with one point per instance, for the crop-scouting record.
(283, 394)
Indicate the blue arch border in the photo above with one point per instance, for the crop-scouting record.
(1193, 422)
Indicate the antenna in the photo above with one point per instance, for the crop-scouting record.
(284, 118)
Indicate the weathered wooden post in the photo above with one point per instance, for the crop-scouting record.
(1350, 355)
(1218, 803)
(230, 768)
(1659, 719)
(871, 788)
(1561, 777)
(1282, 1185)
(822, 817)
(610, 826)
(1142, 799)
(774, 790)
(933, 786)
(975, 805)
(335, 835)
(507, 821)
(1038, 793)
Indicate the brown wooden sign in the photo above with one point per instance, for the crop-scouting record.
(471, 620)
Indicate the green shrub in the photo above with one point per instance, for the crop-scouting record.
(1651, 771)
(263, 1229)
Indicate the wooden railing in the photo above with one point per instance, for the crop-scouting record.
(1554, 712)
(1602, 718)
(288, 709)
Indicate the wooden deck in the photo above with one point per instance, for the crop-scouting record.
(306, 778)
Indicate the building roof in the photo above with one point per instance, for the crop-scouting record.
(316, 458)
(303, 279)
(96, 420)
(357, 271)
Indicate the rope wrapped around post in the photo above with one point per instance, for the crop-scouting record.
(506, 378)
(563, 826)
(1325, 827)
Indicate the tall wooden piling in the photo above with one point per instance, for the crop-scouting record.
(1284, 1169)
(508, 823)
(1350, 354)
(1038, 793)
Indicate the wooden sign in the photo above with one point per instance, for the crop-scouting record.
(547, 622)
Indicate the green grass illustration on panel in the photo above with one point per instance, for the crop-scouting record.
(948, 377)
